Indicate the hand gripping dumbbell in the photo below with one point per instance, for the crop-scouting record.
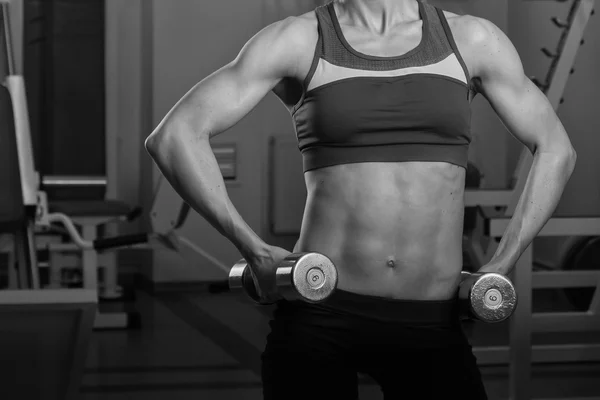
(487, 297)
(311, 277)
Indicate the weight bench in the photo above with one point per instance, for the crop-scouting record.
(44, 339)
(21, 219)
(91, 216)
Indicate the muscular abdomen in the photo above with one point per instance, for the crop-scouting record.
(392, 229)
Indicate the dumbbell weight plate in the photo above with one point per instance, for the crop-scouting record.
(493, 297)
(311, 277)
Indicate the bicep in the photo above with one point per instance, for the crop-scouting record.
(519, 103)
(223, 98)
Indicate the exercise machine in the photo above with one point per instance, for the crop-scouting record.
(36, 216)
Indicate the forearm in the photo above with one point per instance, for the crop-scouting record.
(187, 161)
(545, 183)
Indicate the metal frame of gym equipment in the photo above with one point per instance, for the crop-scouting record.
(521, 353)
(65, 254)
(36, 202)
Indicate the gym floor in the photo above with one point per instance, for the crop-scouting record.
(197, 345)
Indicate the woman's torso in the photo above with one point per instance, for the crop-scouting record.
(392, 229)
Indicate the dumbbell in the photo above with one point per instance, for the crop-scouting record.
(488, 297)
(309, 276)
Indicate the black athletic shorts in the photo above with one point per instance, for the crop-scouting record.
(412, 349)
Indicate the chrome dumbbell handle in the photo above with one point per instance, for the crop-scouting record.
(240, 278)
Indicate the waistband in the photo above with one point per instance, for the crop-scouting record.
(422, 312)
(315, 157)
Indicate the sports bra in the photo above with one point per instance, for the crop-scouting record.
(362, 108)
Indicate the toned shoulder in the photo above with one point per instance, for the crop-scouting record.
(281, 46)
(296, 38)
(474, 32)
(297, 31)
